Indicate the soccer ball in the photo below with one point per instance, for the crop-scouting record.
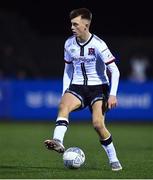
(73, 158)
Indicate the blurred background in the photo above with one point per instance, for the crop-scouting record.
(32, 36)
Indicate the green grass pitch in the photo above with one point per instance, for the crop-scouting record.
(23, 155)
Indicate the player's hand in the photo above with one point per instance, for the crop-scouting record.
(112, 102)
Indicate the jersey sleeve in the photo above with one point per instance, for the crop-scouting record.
(67, 56)
(67, 76)
(105, 54)
(115, 74)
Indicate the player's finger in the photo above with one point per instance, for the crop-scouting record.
(109, 106)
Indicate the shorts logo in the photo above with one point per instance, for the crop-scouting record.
(91, 51)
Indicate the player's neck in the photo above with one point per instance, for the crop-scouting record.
(84, 38)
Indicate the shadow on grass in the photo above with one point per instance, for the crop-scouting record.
(25, 167)
(46, 168)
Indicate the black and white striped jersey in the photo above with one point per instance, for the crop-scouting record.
(88, 60)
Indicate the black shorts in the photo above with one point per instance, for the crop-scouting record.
(89, 94)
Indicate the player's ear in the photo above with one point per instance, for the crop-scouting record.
(86, 26)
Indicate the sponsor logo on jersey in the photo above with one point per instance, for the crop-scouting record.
(83, 59)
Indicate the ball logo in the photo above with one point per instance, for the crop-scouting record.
(73, 158)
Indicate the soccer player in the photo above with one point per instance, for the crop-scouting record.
(86, 83)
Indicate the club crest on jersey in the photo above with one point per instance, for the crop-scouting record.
(91, 51)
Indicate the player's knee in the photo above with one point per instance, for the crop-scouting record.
(62, 107)
(98, 125)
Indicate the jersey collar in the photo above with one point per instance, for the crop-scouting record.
(85, 42)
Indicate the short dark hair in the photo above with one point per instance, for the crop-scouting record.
(83, 12)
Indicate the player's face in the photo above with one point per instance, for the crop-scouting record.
(78, 26)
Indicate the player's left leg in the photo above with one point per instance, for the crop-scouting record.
(98, 120)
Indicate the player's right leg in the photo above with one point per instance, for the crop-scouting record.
(68, 103)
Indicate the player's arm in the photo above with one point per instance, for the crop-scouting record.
(68, 69)
(115, 74)
(67, 76)
(108, 58)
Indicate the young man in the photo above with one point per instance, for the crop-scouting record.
(85, 83)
